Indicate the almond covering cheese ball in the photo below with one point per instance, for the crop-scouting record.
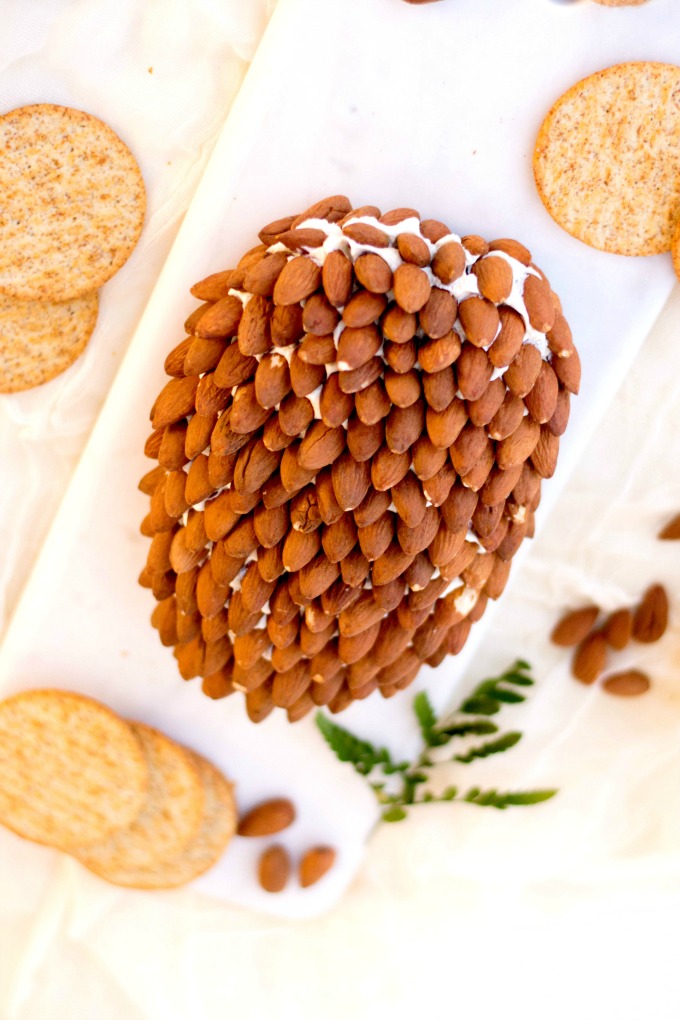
(350, 452)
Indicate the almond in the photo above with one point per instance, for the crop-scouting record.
(427, 458)
(519, 446)
(365, 234)
(394, 216)
(458, 509)
(398, 325)
(175, 401)
(373, 273)
(210, 398)
(403, 427)
(444, 426)
(372, 507)
(355, 568)
(413, 248)
(512, 248)
(468, 448)
(403, 390)
(544, 456)
(507, 418)
(411, 287)
(524, 370)
(351, 480)
(408, 498)
(387, 468)
(590, 659)
(338, 539)
(293, 475)
(483, 409)
(221, 319)
(445, 545)
(248, 648)
(172, 455)
(299, 278)
(628, 684)
(270, 233)
(448, 263)
(574, 627)
(315, 863)
(651, 617)
(437, 354)
(541, 400)
(356, 346)
(198, 433)
(304, 510)
(234, 368)
(295, 414)
(273, 869)
(474, 371)
(480, 320)
(671, 531)
(618, 628)
(499, 485)
(507, 344)
(359, 617)
(214, 287)
(254, 331)
(437, 488)
(400, 357)
(272, 380)
(198, 484)
(375, 538)
(203, 356)
(363, 308)
(319, 318)
(332, 209)
(246, 413)
(286, 324)
(372, 404)
(337, 277)
(153, 444)
(329, 508)
(297, 240)
(305, 378)
(434, 230)
(560, 339)
(273, 436)
(486, 519)
(150, 480)
(259, 702)
(363, 440)
(538, 303)
(568, 371)
(190, 326)
(494, 277)
(412, 541)
(363, 210)
(321, 446)
(224, 440)
(261, 278)
(439, 388)
(392, 563)
(317, 576)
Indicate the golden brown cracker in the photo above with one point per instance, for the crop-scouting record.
(621, 3)
(205, 849)
(607, 158)
(675, 249)
(73, 202)
(41, 339)
(71, 771)
(170, 817)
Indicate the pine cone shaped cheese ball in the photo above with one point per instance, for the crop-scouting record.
(350, 452)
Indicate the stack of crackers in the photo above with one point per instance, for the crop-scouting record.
(73, 204)
(130, 804)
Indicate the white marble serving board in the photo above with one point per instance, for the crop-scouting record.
(435, 107)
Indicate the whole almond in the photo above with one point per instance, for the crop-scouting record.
(297, 240)
(372, 404)
(398, 325)
(337, 278)
(214, 287)
(329, 508)
(440, 353)
(321, 446)
(351, 480)
(387, 468)
(403, 427)
(439, 388)
(267, 818)
(246, 413)
(299, 278)
(560, 339)
(403, 389)
(651, 617)
(356, 346)
(512, 248)
(411, 287)
(480, 320)
(364, 440)
(541, 400)
(411, 542)
(174, 362)
(317, 350)
(175, 401)
(468, 448)
(286, 324)
(335, 405)
(413, 248)
(317, 576)
(427, 458)
(568, 371)
(590, 659)
(339, 539)
(364, 233)
(315, 864)
(409, 500)
(332, 208)
(363, 308)
(444, 426)
(371, 508)
(234, 367)
(375, 538)
(261, 278)
(270, 233)
(448, 263)
(373, 273)
(304, 378)
(507, 344)
(618, 628)
(483, 409)
(272, 380)
(203, 355)
(494, 277)
(574, 627)
(522, 374)
(434, 230)
(519, 446)
(544, 456)
(507, 418)
(254, 331)
(437, 488)
(671, 531)
(628, 684)
(400, 357)
(538, 303)
(474, 370)
(273, 870)
(221, 319)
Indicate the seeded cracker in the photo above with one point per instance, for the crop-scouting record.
(41, 339)
(607, 159)
(217, 827)
(73, 203)
(620, 3)
(71, 771)
(675, 249)
(170, 817)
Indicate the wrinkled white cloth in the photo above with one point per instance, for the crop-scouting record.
(550, 913)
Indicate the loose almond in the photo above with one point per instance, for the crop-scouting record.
(574, 627)
(628, 684)
(315, 864)
(651, 617)
(274, 869)
(267, 818)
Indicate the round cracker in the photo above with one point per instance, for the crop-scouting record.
(170, 817)
(71, 771)
(620, 3)
(675, 249)
(41, 339)
(607, 158)
(218, 825)
(73, 202)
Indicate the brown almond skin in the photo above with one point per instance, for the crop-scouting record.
(651, 617)
(590, 659)
(618, 628)
(273, 870)
(574, 627)
(267, 818)
(315, 864)
(671, 531)
(628, 684)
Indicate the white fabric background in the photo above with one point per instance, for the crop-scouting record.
(563, 911)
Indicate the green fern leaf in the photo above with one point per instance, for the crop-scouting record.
(427, 720)
(503, 743)
(362, 755)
